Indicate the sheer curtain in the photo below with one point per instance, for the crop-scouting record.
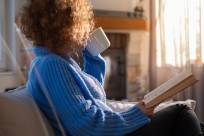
(178, 34)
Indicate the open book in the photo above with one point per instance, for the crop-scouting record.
(169, 88)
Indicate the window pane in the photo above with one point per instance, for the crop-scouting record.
(2, 55)
(0, 40)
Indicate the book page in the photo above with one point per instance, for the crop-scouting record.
(166, 86)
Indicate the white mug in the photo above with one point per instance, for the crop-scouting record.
(98, 42)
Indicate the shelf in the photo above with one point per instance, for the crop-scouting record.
(121, 23)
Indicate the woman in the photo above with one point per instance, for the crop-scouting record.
(74, 100)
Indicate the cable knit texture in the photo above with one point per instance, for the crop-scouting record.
(76, 97)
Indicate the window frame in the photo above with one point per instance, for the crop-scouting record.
(3, 58)
(8, 41)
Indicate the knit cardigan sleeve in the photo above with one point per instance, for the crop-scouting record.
(78, 115)
(95, 66)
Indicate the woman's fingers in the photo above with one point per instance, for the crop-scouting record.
(146, 111)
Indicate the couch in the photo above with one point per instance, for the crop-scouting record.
(20, 116)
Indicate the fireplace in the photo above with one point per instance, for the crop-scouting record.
(115, 81)
(127, 67)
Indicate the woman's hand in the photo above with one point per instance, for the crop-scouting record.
(147, 111)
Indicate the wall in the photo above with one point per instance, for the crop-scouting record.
(121, 5)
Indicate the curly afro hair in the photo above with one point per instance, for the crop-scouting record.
(57, 24)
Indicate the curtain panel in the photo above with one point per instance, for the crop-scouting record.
(178, 44)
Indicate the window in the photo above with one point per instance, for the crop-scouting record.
(2, 37)
(180, 32)
(7, 35)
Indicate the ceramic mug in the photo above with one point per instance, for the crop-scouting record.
(98, 42)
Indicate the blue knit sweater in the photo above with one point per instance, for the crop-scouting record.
(74, 100)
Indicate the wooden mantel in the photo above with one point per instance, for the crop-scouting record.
(121, 23)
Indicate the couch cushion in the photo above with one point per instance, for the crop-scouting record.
(20, 116)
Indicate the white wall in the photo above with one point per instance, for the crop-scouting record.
(120, 5)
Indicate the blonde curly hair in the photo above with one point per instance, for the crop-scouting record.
(57, 24)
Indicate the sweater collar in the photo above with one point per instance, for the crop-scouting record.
(41, 50)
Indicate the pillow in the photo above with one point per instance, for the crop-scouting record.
(119, 106)
(190, 103)
(20, 116)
